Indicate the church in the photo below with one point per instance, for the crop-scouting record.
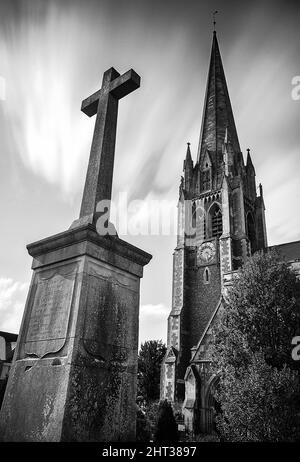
(221, 221)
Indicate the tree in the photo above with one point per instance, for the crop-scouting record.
(259, 381)
(143, 428)
(258, 403)
(149, 361)
(166, 428)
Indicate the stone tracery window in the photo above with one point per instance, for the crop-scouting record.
(215, 221)
(206, 180)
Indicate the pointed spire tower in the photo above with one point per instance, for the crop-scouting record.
(221, 222)
(217, 117)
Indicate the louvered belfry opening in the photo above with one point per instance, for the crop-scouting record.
(216, 221)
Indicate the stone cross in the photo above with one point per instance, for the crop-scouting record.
(79, 338)
(104, 103)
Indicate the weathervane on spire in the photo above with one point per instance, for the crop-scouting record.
(214, 17)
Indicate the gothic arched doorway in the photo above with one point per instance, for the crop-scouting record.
(212, 406)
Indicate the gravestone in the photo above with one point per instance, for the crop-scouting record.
(74, 372)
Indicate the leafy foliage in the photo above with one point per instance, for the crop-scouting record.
(143, 428)
(258, 404)
(259, 381)
(152, 415)
(149, 361)
(166, 429)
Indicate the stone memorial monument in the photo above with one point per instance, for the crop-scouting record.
(74, 372)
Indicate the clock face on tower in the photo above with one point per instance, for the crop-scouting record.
(206, 252)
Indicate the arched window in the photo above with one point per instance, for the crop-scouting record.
(204, 227)
(206, 276)
(206, 177)
(190, 220)
(215, 221)
(251, 232)
(194, 216)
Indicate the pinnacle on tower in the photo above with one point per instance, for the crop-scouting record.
(188, 162)
(249, 160)
(188, 168)
(249, 163)
(188, 157)
(261, 192)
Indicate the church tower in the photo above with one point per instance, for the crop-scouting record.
(221, 221)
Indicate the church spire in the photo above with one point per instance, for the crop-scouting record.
(217, 113)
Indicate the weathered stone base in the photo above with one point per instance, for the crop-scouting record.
(74, 371)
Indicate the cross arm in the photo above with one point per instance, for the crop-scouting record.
(119, 87)
(89, 105)
(125, 84)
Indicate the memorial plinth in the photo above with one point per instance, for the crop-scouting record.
(74, 372)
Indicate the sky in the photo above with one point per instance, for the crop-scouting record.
(53, 55)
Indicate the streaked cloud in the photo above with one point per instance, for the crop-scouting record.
(48, 63)
(2, 89)
(153, 322)
(43, 116)
(53, 55)
(12, 302)
(50, 66)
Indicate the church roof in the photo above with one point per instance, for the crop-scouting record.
(217, 112)
(204, 333)
(9, 337)
(290, 251)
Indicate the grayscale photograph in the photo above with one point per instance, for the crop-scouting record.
(150, 225)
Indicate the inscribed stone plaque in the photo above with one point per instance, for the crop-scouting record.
(110, 331)
(49, 318)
